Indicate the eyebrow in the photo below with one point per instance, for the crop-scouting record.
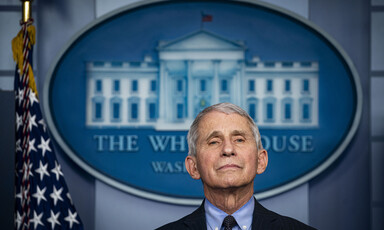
(214, 134)
(238, 133)
(233, 133)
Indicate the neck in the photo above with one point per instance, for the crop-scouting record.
(229, 200)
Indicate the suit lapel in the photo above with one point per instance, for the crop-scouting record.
(261, 217)
(197, 219)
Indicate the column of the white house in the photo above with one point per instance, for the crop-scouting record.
(190, 88)
(167, 98)
(108, 96)
(143, 92)
(162, 94)
(236, 85)
(124, 95)
(89, 103)
(260, 90)
(315, 106)
(215, 82)
(242, 86)
(279, 98)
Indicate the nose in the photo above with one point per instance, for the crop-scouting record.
(228, 149)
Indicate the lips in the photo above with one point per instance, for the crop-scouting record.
(229, 166)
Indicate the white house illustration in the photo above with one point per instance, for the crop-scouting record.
(193, 72)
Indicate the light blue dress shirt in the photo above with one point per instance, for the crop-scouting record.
(216, 216)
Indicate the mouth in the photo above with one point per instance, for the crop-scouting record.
(229, 166)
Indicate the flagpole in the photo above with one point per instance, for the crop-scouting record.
(27, 10)
(201, 20)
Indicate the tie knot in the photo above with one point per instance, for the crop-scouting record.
(229, 222)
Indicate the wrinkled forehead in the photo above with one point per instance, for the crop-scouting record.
(216, 122)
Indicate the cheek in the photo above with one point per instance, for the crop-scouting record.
(252, 160)
(205, 163)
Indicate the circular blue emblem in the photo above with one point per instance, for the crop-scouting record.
(120, 98)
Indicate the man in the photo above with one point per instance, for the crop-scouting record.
(226, 153)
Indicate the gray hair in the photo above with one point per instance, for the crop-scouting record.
(227, 108)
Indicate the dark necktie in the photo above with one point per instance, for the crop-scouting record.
(229, 222)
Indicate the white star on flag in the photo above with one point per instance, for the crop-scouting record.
(32, 97)
(71, 218)
(56, 195)
(39, 195)
(18, 219)
(69, 197)
(20, 95)
(57, 170)
(44, 146)
(27, 170)
(42, 170)
(36, 219)
(54, 219)
(19, 196)
(19, 121)
(32, 146)
(32, 122)
(18, 146)
(42, 123)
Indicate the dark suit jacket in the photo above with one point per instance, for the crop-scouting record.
(263, 219)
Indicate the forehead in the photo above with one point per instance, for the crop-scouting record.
(222, 122)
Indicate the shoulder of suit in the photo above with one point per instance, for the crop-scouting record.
(278, 221)
(191, 219)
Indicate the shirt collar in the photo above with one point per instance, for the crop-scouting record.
(215, 216)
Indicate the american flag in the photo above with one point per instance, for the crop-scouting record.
(42, 200)
(206, 17)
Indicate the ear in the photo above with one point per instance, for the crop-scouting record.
(262, 161)
(191, 166)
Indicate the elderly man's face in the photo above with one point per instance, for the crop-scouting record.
(227, 156)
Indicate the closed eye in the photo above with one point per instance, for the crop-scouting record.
(213, 142)
(239, 139)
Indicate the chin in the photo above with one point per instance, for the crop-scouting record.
(232, 184)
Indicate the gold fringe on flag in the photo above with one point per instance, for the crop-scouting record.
(17, 49)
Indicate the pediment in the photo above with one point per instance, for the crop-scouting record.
(201, 40)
